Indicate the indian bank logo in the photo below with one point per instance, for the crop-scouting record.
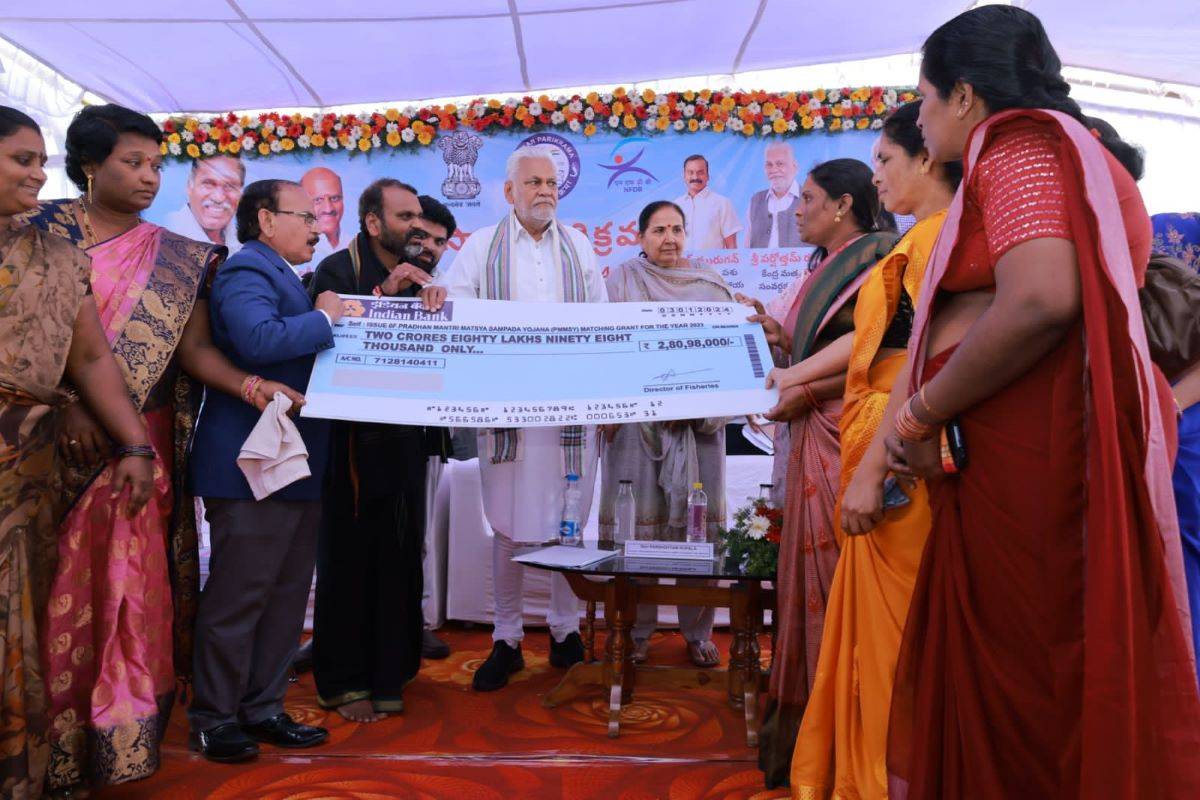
(565, 157)
(624, 166)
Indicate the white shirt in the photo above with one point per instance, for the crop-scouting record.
(774, 206)
(523, 499)
(183, 222)
(709, 218)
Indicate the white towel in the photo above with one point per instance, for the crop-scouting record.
(273, 455)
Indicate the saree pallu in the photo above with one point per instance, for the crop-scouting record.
(124, 586)
(842, 745)
(808, 547)
(1044, 654)
(43, 282)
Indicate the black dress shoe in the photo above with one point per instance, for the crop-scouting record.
(493, 673)
(226, 744)
(432, 647)
(281, 731)
(566, 653)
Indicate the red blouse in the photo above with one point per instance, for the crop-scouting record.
(1016, 193)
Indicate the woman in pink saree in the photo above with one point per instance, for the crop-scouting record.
(839, 211)
(122, 584)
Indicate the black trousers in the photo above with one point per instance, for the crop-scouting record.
(368, 621)
(251, 612)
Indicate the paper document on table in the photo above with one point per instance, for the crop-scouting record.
(498, 364)
(561, 555)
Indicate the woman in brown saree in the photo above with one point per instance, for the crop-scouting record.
(110, 672)
(838, 213)
(48, 327)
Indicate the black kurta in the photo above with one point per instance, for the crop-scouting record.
(368, 620)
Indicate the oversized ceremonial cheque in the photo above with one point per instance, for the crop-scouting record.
(486, 363)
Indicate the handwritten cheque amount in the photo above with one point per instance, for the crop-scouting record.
(482, 363)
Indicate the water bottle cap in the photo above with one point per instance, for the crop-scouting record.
(629, 482)
(766, 486)
(571, 476)
(697, 485)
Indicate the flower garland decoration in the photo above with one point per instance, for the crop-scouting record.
(620, 111)
(752, 541)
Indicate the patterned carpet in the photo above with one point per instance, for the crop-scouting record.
(452, 742)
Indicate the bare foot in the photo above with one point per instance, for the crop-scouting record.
(360, 711)
(704, 654)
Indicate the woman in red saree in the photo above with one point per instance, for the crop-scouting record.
(124, 585)
(839, 212)
(1045, 653)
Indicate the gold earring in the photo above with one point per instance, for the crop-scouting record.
(89, 189)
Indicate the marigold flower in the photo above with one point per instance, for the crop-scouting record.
(162, 147)
(689, 96)
(662, 123)
(234, 147)
(820, 95)
(630, 121)
(589, 129)
(618, 108)
(392, 114)
(193, 151)
(393, 139)
(619, 92)
(693, 125)
(317, 140)
(718, 126)
(863, 123)
(648, 95)
(425, 137)
(264, 148)
(779, 126)
(836, 124)
(173, 138)
(806, 122)
(287, 144)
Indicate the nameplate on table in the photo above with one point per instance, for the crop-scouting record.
(674, 551)
(500, 364)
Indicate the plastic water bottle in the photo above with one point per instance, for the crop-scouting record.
(764, 492)
(569, 530)
(626, 513)
(697, 514)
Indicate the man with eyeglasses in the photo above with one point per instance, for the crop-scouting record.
(368, 625)
(528, 256)
(251, 611)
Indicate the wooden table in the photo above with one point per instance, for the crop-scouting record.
(621, 585)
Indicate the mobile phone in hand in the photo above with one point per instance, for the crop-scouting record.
(893, 495)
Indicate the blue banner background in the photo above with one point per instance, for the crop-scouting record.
(605, 206)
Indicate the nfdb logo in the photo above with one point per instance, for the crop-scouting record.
(624, 167)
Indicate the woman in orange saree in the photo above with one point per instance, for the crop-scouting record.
(1045, 653)
(839, 209)
(841, 748)
(48, 328)
(124, 585)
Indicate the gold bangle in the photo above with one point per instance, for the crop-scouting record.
(925, 402)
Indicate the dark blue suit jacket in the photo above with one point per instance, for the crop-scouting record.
(264, 322)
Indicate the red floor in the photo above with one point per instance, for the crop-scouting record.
(452, 742)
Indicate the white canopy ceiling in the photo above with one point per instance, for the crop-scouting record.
(215, 55)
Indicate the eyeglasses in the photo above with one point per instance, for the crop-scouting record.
(307, 216)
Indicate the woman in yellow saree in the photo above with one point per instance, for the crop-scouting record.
(841, 748)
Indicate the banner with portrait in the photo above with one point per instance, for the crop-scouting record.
(738, 192)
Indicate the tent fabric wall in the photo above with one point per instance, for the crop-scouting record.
(213, 55)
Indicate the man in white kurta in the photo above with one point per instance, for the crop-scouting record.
(523, 498)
